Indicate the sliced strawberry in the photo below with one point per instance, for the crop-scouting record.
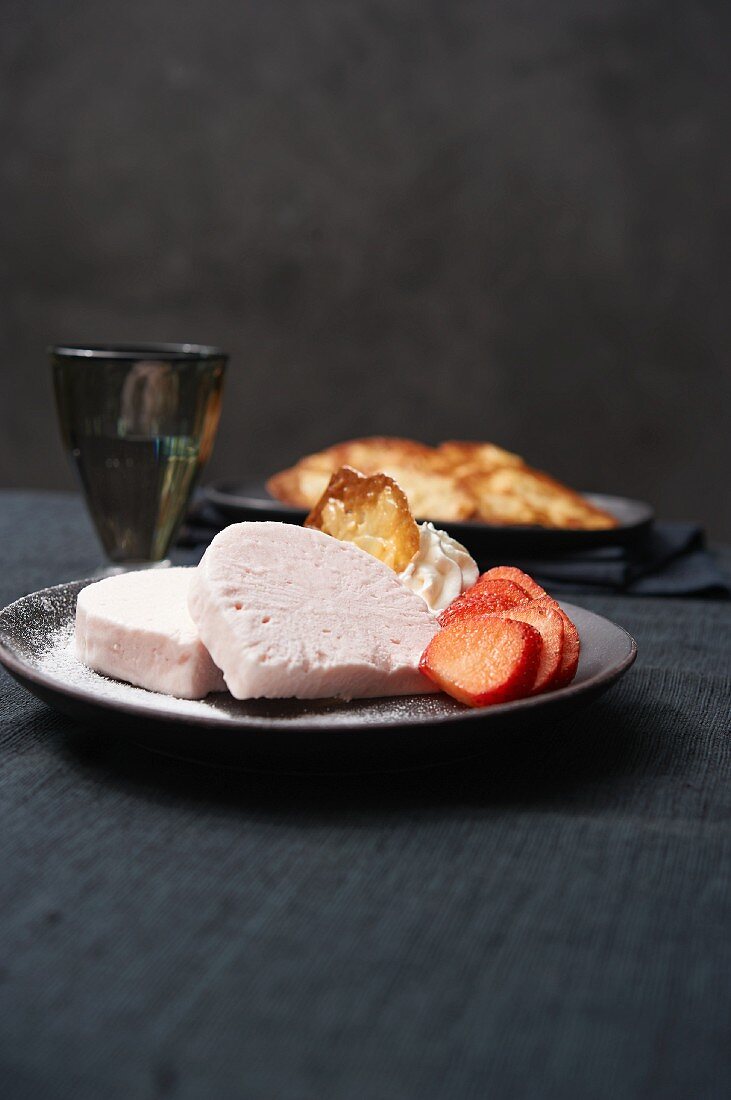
(483, 659)
(484, 599)
(548, 619)
(517, 576)
(569, 655)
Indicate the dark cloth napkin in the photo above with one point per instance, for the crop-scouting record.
(671, 560)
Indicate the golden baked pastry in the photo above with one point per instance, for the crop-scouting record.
(432, 491)
(464, 458)
(371, 512)
(457, 480)
(519, 495)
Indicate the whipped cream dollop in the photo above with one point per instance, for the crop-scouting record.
(440, 570)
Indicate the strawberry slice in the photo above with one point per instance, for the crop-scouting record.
(548, 619)
(484, 599)
(483, 659)
(571, 645)
(517, 576)
(569, 654)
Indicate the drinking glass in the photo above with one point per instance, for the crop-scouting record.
(138, 422)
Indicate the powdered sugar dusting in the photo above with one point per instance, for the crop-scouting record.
(39, 630)
(60, 663)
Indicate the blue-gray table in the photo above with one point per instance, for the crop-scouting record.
(552, 920)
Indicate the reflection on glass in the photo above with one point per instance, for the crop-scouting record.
(139, 425)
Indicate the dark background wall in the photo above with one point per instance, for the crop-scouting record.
(498, 220)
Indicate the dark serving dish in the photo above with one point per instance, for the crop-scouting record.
(250, 500)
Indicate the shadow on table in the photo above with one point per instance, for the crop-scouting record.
(577, 761)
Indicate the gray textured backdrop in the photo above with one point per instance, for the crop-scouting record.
(499, 220)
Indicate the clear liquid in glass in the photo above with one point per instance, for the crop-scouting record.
(138, 431)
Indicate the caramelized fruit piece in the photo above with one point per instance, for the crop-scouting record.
(372, 513)
(484, 599)
(481, 659)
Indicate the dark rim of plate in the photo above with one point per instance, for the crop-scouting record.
(225, 494)
(129, 352)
